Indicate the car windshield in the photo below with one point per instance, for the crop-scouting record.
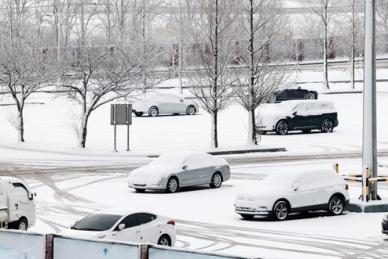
(171, 159)
(97, 222)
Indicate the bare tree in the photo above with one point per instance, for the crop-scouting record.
(352, 26)
(144, 42)
(95, 75)
(24, 62)
(382, 15)
(182, 23)
(322, 9)
(213, 80)
(262, 31)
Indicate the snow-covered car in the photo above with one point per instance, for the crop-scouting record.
(173, 170)
(125, 226)
(291, 91)
(305, 115)
(155, 104)
(282, 193)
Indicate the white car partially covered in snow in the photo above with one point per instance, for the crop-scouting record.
(134, 226)
(282, 193)
(303, 115)
(154, 104)
(173, 170)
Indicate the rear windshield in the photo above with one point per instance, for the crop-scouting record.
(97, 222)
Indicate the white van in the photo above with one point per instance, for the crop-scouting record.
(17, 206)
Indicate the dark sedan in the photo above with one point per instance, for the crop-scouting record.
(291, 92)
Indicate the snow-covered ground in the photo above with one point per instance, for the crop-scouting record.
(48, 130)
(206, 219)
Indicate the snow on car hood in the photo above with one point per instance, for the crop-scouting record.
(151, 173)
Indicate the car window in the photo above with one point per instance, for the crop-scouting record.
(97, 222)
(197, 160)
(19, 188)
(307, 180)
(129, 221)
(301, 108)
(144, 218)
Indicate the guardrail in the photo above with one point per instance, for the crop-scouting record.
(27, 245)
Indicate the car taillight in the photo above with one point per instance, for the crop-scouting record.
(346, 187)
(171, 222)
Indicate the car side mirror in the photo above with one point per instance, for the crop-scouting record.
(295, 187)
(295, 113)
(181, 100)
(121, 226)
(184, 167)
(31, 196)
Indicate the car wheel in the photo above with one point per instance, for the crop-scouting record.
(22, 224)
(247, 216)
(164, 240)
(139, 114)
(153, 112)
(306, 131)
(190, 110)
(140, 190)
(282, 128)
(336, 206)
(327, 126)
(280, 210)
(271, 98)
(310, 96)
(172, 185)
(216, 180)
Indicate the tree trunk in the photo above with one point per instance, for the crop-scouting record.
(84, 130)
(325, 54)
(214, 130)
(20, 125)
(252, 132)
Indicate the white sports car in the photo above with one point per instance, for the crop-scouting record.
(173, 170)
(154, 104)
(135, 226)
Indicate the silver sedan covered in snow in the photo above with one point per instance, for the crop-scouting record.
(173, 170)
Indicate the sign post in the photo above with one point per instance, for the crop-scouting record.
(120, 114)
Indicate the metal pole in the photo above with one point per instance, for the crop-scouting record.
(115, 136)
(369, 158)
(128, 137)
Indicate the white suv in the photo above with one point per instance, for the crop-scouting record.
(282, 193)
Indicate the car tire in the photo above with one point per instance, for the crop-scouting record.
(310, 96)
(153, 111)
(336, 205)
(282, 128)
(247, 216)
(190, 110)
(327, 126)
(139, 114)
(164, 240)
(216, 180)
(172, 185)
(22, 224)
(280, 210)
(140, 190)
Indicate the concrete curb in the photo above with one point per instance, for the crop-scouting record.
(247, 151)
(367, 208)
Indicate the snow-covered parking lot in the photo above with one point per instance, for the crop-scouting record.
(205, 217)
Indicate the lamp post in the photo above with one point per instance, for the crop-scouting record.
(369, 157)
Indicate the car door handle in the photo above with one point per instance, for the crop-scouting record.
(114, 235)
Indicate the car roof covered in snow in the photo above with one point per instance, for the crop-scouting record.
(291, 175)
